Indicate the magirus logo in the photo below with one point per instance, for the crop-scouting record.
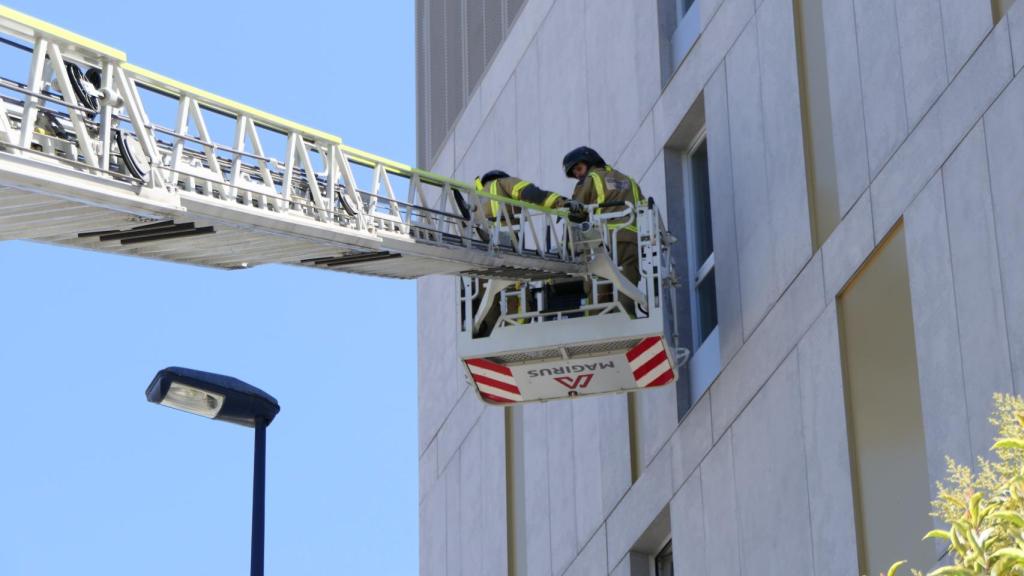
(571, 369)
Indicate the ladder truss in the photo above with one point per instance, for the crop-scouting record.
(98, 153)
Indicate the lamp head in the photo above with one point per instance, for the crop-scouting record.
(212, 395)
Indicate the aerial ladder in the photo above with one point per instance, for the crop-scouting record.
(101, 154)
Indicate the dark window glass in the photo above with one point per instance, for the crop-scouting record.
(704, 244)
(708, 305)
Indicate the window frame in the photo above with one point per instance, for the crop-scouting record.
(696, 273)
(665, 545)
(705, 362)
(686, 30)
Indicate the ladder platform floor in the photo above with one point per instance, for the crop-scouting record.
(50, 202)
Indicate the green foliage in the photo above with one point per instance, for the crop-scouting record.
(984, 510)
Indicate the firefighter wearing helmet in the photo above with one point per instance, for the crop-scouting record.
(598, 183)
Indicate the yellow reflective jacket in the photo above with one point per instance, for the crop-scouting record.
(607, 184)
(517, 189)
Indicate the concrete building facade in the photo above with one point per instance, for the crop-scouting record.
(860, 165)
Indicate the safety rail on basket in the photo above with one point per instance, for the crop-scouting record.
(555, 339)
(597, 245)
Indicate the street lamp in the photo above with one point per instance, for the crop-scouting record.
(225, 398)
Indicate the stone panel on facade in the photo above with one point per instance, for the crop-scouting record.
(467, 127)
(906, 174)
(687, 516)
(657, 418)
(452, 520)
(614, 107)
(707, 8)
(936, 335)
(428, 470)
(564, 115)
(471, 498)
(616, 468)
(721, 517)
(646, 56)
(1005, 135)
(771, 479)
(1004, 132)
(848, 246)
(536, 491)
(445, 164)
(823, 415)
(964, 25)
(922, 54)
(977, 285)
(593, 558)
(1015, 20)
(432, 533)
(727, 279)
(847, 104)
(494, 531)
(587, 487)
(977, 85)
(623, 569)
(528, 127)
(765, 350)
(755, 237)
(691, 441)
(461, 419)
(885, 110)
(645, 500)
(501, 145)
(561, 485)
(639, 154)
(941, 129)
(652, 183)
(440, 384)
(784, 141)
(517, 39)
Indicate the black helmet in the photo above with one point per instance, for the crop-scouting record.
(582, 154)
(493, 175)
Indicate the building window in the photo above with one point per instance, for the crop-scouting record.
(651, 554)
(663, 561)
(681, 27)
(700, 259)
(702, 247)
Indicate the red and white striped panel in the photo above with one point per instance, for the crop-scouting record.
(494, 381)
(650, 364)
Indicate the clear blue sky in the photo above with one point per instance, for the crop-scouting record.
(95, 480)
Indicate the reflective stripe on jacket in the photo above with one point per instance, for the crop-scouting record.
(517, 189)
(607, 184)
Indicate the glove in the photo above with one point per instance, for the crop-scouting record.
(577, 211)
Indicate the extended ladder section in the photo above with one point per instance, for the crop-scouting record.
(98, 153)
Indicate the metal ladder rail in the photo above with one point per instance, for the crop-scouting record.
(225, 165)
(426, 214)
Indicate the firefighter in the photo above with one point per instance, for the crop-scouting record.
(499, 183)
(599, 183)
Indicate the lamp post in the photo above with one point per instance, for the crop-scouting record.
(225, 398)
